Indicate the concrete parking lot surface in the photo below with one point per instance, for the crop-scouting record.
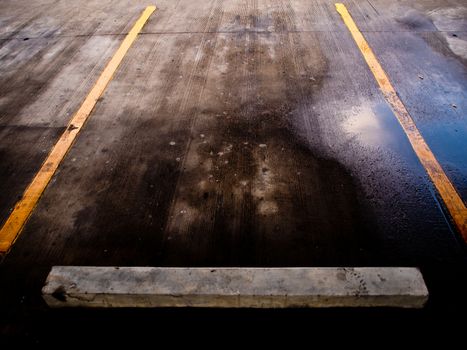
(234, 133)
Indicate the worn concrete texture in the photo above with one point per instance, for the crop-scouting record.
(235, 133)
(86, 286)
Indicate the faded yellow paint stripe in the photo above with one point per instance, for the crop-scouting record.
(446, 190)
(24, 207)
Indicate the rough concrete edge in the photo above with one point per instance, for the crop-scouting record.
(103, 301)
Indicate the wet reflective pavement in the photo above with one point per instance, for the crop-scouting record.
(235, 133)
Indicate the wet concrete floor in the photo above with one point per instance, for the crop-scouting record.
(235, 133)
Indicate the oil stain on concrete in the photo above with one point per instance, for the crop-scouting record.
(252, 192)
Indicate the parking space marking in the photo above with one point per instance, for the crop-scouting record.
(445, 188)
(24, 207)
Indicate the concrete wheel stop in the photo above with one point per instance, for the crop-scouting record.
(143, 287)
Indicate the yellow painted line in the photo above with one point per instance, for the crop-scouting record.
(24, 207)
(446, 190)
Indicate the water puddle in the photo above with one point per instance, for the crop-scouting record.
(448, 141)
(378, 127)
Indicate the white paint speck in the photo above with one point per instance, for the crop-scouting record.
(262, 145)
(172, 143)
